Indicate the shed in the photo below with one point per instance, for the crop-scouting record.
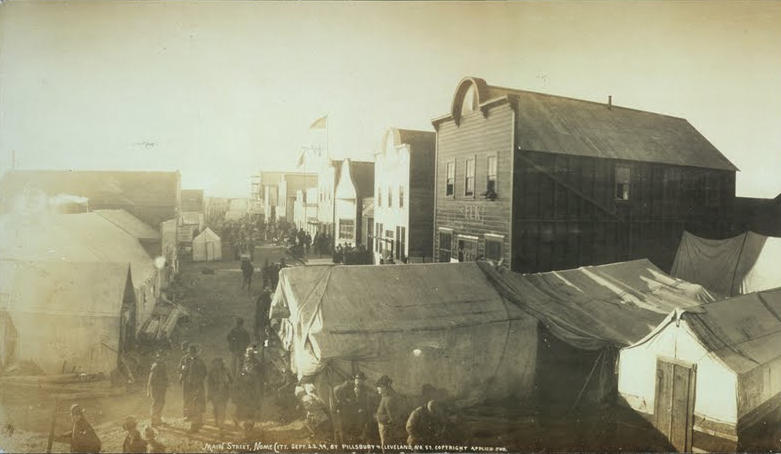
(708, 375)
(65, 316)
(735, 266)
(207, 247)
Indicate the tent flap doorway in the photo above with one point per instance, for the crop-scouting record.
(674, 401)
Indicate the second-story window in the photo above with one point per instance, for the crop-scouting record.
(379, 196)
(390, 197)
(401, 196)
(469, 180)
(450, 188)
(622, 182)
(490, 184)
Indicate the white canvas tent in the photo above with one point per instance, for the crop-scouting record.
(207, 247)
(65, 316)
(708, 374)
(735, 266)
(438, 324)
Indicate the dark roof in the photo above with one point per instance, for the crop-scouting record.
(127, 187)
(556, 124)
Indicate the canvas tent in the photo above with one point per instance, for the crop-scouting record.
(586, 315)
(707, 375)
(207, 247)
(735, 266)
(475, 327)
(440, 324)
(85, 237)
(65, 316)
(149, 237)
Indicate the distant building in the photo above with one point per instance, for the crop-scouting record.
(544, 182)
(289, 185)
(152, 197)
(193, 200)
(758, 215)
(355, 182)
(305, 211)
(404, 196)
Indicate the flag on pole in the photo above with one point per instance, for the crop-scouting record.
(320, 123)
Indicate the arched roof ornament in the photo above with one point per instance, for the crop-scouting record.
(480, 88)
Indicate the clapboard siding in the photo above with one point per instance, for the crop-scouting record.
(476, 137)
(567, 214)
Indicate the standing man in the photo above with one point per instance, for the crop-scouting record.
(192, 378)
(391, 414)
(219, 391)
(82, 436)
(355, 405)
(246, 270)
(156, 388)
(238, 340)
(262, 308)
(182, 363)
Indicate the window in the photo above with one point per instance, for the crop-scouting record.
(390, 197)
(622, 182)
(445, 246)
(467, 249)
(388, 249)
(490, 184)
(346, 229)
(401, 196)
(401, 235)
(450, 189)
(493, 248)
(379, 197)
(378, 232)
(712, 190)
(469, 180)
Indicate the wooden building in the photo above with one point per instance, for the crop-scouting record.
(758, 215)
(354, 183)
(545, 182)
(404, 196)
(152, 197)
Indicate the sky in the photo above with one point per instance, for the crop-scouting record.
(220, 90)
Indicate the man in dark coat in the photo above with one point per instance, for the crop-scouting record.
(82, 436)
(156, 388)
(192, 377)
(134, 442)
(247, 268)
(238, 340)
(426, 426)
(262, 308)
(220, 383)
(391, 414)
(355, 405)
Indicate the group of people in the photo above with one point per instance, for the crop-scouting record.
(83, 438)
(269, 273)
(350, 255)
(360, 414)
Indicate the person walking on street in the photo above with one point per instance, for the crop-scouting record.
(192, 379)
(82, 436)
(425, 426)
(238, 340)
(133, 443)
(262, 309)
(219, 391)
(156, 388)
(391, 414)
(246, 270)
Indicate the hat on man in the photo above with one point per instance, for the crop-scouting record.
(360, 376)
(384, 381)
(185, 344)
(77, 409)
(130, 423)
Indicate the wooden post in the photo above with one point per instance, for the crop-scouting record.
(51, 427)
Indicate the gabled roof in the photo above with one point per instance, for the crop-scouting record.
(85, 237)
(130, 224)
(594, 306)
(66, 288)
(206, 235)
(556, 124)
(745, 331)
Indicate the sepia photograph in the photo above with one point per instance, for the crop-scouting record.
(390, 226)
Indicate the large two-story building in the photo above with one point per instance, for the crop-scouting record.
(404, 196)
(354, 183)
(543, 182)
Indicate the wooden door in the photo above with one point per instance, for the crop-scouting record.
(674, 401)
